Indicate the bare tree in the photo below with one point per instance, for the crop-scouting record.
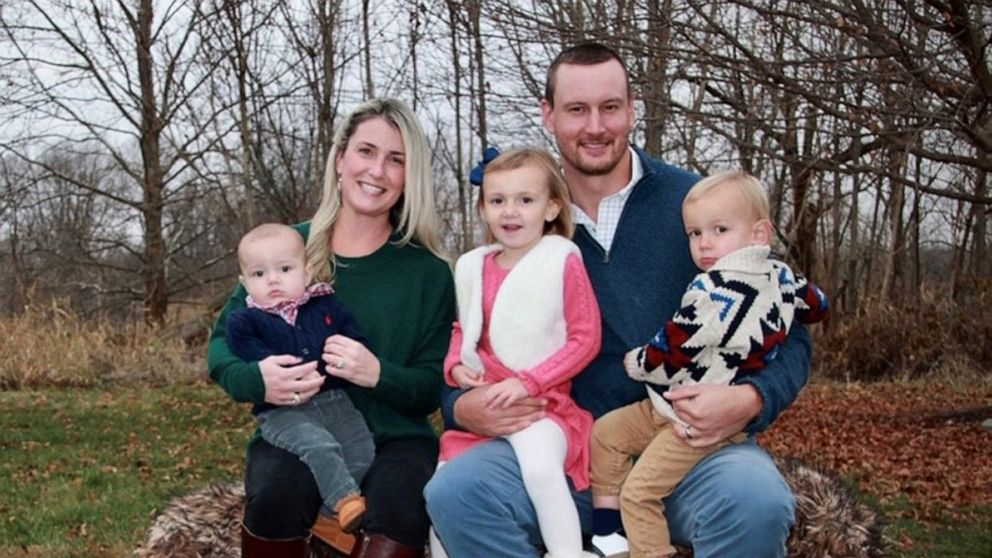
(180, 123)
(125, 77)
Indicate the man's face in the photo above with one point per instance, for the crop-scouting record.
(591, 117)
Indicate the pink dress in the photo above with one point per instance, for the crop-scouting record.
(550, 379)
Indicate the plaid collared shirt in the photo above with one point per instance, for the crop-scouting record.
(288, 309)
(604, 228)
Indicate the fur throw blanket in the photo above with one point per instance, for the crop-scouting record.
(830, 521)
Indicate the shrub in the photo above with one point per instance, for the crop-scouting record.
(50, 346)
(936, 338)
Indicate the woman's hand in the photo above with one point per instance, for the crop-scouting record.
(713, 412)
(287, 382)
(350, 360)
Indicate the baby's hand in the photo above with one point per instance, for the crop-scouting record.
(506, 393)
(466, 377)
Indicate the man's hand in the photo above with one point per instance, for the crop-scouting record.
(713, 412)
(472, 413)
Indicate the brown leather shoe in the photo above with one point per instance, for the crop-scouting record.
(329, 531)
(253, 546)
(350, 511)
(380, 546)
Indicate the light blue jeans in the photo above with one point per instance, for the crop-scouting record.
(733, 503)
(329, 435)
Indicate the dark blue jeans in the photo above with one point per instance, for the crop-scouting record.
(283, 499)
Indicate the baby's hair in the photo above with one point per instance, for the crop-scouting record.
(557, 189)
(750, 187)
(266, 231)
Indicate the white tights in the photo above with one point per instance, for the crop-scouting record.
(541, 449)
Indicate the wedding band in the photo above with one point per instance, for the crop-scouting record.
(296, 398)
(339, 363)
(688, 434)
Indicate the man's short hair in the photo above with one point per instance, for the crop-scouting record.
(582, 54)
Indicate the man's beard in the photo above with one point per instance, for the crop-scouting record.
(597, 168)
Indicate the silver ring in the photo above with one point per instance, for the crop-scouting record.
(688, 434)
(296, 398)
(339, 364)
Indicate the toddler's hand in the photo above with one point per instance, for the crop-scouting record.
(466, 377)
(506, 393)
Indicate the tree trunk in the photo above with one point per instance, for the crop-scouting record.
(327, 19)
(464, 188)
(367, 48)
(478, 51)
(980, 264)
(853, 291)
(233, 12)
(654, 82)
(153, 267)
(893, 274)
(414, 40)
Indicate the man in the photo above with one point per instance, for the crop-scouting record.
(628, 207)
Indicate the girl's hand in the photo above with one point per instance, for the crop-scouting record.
(506, 393)
(287, 382)
(352, 361)
(472, 413)
(466, 377)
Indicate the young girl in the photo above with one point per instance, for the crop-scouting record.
(528, 322)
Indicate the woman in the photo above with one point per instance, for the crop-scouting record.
(376, 234)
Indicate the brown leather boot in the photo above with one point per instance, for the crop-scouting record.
(380, 546)
(253, 546)
(329, 531)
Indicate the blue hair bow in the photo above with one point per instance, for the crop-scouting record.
(475, 177)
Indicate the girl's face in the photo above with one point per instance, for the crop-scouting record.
(372, 169)
(516, 203)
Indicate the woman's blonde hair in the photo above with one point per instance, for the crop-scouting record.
(414, 215)
(557, 189)
(750, 187)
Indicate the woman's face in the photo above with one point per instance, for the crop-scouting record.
(372, 169)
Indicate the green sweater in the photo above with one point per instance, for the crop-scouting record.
(403, 300)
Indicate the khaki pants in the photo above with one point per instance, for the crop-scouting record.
(620, 436)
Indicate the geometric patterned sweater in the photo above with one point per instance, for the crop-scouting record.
(730, 324)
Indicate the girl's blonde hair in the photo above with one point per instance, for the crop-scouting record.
(750, 187)
(414, 215)
(557, 189)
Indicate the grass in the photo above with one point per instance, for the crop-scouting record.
(922, 540)
(98, 435)
(85, 471)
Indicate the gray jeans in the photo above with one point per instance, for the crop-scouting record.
(329, 435)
